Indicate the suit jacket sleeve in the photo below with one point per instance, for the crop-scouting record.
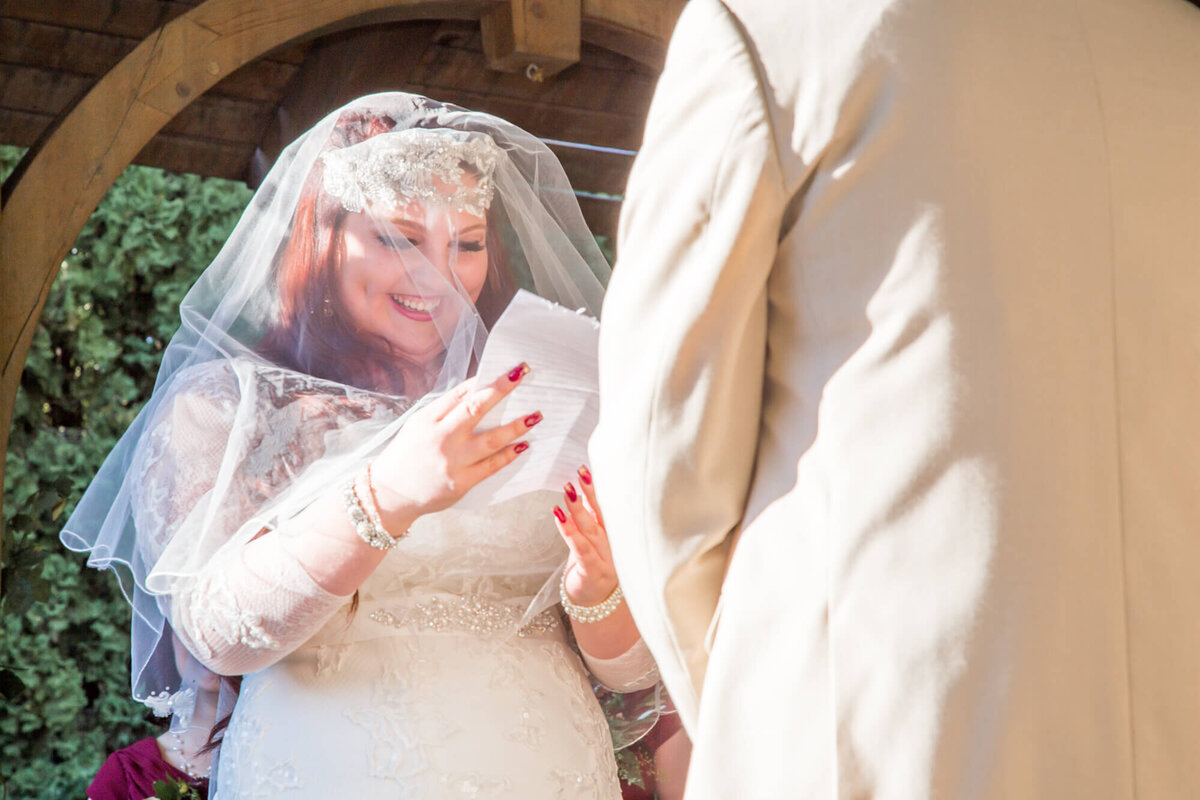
(683, 339)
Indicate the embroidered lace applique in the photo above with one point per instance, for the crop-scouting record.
(395, 751)
(573, 785)
(331, 658)
(246, 776)
(223, 615)
(472, 785)
(530, 729)
(397, 168)
(179, 704)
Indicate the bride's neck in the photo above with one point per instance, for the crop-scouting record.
(205, 713)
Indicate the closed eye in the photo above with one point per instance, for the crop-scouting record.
(396, 242)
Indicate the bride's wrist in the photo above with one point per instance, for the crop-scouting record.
(381, 524)
(397, 512)
(590, 595)
(588, 608)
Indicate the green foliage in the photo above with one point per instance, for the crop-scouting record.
(608, 247)
(64, 629)
(172, 789)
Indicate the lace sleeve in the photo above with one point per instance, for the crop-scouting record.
(245, 612)
(191, 501)
(632, 670)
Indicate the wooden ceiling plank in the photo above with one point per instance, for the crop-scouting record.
(134, 18)
(21, 127)
(579, 86)
(649, 19)
(591, 171)
(200, 156)
(259, 80)
(295, 19)
(54, 47)
(591, 127)
(222, 119)
(601, 216)
(603, 58)
(341, 68)
(467, 36)
(40, 90)
(51, 47)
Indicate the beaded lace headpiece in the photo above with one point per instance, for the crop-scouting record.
(396, 168)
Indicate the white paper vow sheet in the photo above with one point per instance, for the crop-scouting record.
(560, 347)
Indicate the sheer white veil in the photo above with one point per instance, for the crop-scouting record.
(361, 279)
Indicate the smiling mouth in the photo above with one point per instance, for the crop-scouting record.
(417, 308)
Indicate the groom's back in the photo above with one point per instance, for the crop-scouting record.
(981, 418)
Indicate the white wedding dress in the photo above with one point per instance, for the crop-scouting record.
(430, 689)
(442, 683)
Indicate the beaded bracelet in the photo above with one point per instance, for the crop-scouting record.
(367, 523)
(589, 613)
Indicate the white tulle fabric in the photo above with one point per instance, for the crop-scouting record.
(453, 677)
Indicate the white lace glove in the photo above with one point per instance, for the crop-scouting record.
(632, 670)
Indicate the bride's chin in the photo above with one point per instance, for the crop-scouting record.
(420, 354)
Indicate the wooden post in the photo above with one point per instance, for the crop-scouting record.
(537, 37)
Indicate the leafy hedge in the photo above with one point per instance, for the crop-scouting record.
(64, 629)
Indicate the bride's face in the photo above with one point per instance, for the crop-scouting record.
(407, 274)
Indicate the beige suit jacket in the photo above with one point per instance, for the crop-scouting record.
(900, 367)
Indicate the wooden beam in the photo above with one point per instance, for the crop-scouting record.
(633, 28)
(537, 38)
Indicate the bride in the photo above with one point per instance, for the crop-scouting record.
(286, 501)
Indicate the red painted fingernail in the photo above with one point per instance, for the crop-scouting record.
(585, 475)
(521, 447)
(518, 372)
(570, 492)
(559, 514)
(533, 419)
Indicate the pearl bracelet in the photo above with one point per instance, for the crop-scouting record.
(589, 613)
(365, 518)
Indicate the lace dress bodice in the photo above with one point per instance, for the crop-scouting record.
(441, 684)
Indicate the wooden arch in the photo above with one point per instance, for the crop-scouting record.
(61, 182)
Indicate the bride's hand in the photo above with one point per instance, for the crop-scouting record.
(438, 456)
(590, 576)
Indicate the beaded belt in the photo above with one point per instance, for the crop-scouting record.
(469, 614)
